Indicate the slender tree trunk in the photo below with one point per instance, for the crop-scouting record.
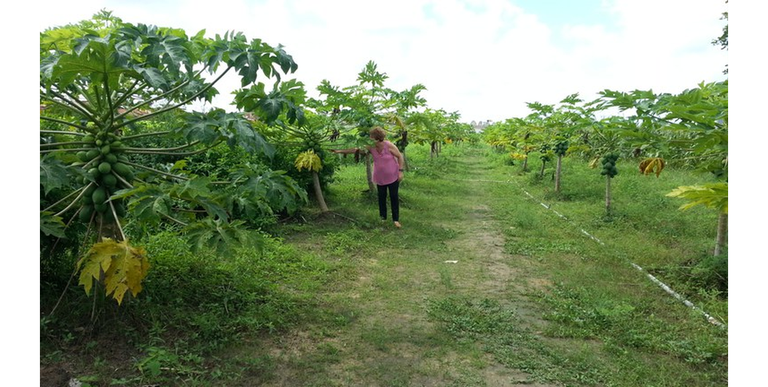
(722, 232)
(557, 173)
(319, 192)
(541, 173)
(369, 172)
(608, 195)
(405, 159)
(525, 163)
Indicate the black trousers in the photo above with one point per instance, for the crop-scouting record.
(393, 198)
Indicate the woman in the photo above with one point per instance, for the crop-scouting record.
(388, 165)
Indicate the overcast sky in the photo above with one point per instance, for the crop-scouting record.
(485, 59)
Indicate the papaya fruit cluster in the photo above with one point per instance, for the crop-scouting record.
(561, 147)
(106, 171)
(609, 165)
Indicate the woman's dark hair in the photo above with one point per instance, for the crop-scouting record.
(378, 133)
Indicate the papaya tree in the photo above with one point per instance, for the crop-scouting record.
(404, 103)
(556, 128)
(371, 92)
(309, 160)
(541, 114)
(353, 110)
(693, 126)
(100, 82)
(609, 171)
(701, 114)
(710, 195)
(525, 135)
(434, 127)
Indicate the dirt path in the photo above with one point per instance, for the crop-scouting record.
(391, 341)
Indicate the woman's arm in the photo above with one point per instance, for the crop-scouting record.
(346, 151)
(399, 156)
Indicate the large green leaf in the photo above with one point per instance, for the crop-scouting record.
(285, 97)
(243, 134)
(714, 196)
(271, 106)
(218, 125)
(192, 189)
(52, 225)
(166, 52)
(154, 77)
(148, 203)
(53, 173)
(259, 194)
(203, 127)
(221, 236)
(93, 58)
(197, 192)
(285, 61)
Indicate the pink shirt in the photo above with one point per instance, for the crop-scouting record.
(386, 170)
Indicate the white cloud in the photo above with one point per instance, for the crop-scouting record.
(485, 59)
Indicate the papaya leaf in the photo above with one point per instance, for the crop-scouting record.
(154, 78)
(213, 207)
(96, 262)
(221, 236)
(247, 99)
(192, 189)
(652, 165)
(147, 203)
(714, 196)
(166, 51)
(271, 106)
(126, 272)
(46, 67)
(120, 266)
(203, 127)
(243, 134)
(286, 61)
(308, 160)
(53, 173)
(52, 225)
(93, 58)
(266, 193)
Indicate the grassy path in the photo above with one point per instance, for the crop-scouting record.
(460, 296)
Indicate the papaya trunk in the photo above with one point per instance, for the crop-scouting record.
(608, 195)
(543, 165)
(722, 232)
(405, 159)
(369, 173)
(319, 192)
(525, 164)
(557, 173)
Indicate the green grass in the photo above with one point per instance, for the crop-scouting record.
(345, 299)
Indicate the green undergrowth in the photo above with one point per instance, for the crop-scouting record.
(482, 286)
(192, 306)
